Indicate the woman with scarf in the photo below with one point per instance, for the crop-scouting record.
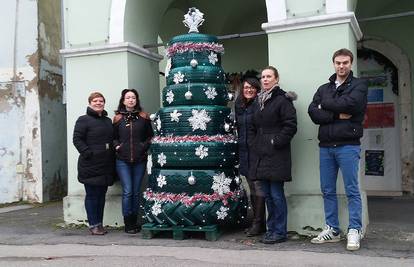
(132, 138)
(244, 113)
(271, 131)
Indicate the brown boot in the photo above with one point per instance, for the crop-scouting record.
(96, 231)
(258, 225)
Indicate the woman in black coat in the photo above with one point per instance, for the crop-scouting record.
(273, 127)
(93, 138)
(244, 113)
(133, 133)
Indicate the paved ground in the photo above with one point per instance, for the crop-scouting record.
(33, 237)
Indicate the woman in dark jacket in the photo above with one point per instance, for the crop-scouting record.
(93, 138)
(273, 127)
(133, 133)
(244, 113)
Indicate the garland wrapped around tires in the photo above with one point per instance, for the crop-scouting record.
(193, 181)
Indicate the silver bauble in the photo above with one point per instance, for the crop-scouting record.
(238, 180)
(153, 116)
(191, 180)
(188, 95)
(194, 63)
(230, 96)
(227, 127)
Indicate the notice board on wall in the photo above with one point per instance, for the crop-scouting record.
(379, 115)
(374, 162)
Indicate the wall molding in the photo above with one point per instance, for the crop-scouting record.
(314, 21)
(111, 48)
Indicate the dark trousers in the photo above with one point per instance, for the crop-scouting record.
(276, 207)
(95, 203)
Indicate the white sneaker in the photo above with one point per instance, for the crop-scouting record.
(328, 235)
(354, 239)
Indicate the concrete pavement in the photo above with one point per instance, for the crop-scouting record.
(34, 237)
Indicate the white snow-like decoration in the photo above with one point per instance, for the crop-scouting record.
(162, 159)
(168, 67)
(178, 77)
(211, 92)
(212, 58)
(170, 97)
(193, 19)
(201, 151)
(199, 119)
(221, 184)
(175, 115)
(161, 181)
(158, 122)
(156, 208)
(222, 213)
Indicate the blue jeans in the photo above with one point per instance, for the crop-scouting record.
(345, 158)
(130, 175)
(276, 207)
(95, 203)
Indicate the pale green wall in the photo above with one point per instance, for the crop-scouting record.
(303, 65)
(143, 75)
(92, 17)
(396, 31)
(103, 73)
(143, 20)
(300, 8)
(245, 54)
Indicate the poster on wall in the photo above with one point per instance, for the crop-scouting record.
(374, 162)
(379, 115)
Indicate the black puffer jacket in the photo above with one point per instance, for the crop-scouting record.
(270, 134)
(328, 102)
(244, 116)
(93, 137)
(132, 133)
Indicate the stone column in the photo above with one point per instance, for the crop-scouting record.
(107, 69)
(301, 43)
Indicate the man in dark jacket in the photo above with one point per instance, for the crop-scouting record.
(338, 107)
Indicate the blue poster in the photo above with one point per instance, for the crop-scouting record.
(375, 95)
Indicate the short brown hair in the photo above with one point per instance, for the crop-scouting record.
(275, 72)
(95, 95)
(343, 52)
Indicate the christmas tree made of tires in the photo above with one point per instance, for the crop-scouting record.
(193, 181)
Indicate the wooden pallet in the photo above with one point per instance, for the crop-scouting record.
(179, 232)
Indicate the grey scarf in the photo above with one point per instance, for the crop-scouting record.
(265, 95)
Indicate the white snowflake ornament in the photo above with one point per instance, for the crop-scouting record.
(158, 123)
(199, 119)
(161, 181)
(162, 159)
(211, 92)
(175, 115)
(212, 58)
(201, 151)
(156, 208)
(170, 97)
(168, 67)
(178, 77)
(221, 184)
(222, 213)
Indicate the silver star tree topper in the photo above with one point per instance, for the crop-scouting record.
(193, 19)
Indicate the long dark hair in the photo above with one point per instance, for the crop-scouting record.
(254, 82)
(121, 105)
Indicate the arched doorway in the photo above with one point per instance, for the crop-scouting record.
(386, 156)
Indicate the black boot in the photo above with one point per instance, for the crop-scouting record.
(130, 226)
(258, 203)
(258, 224)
